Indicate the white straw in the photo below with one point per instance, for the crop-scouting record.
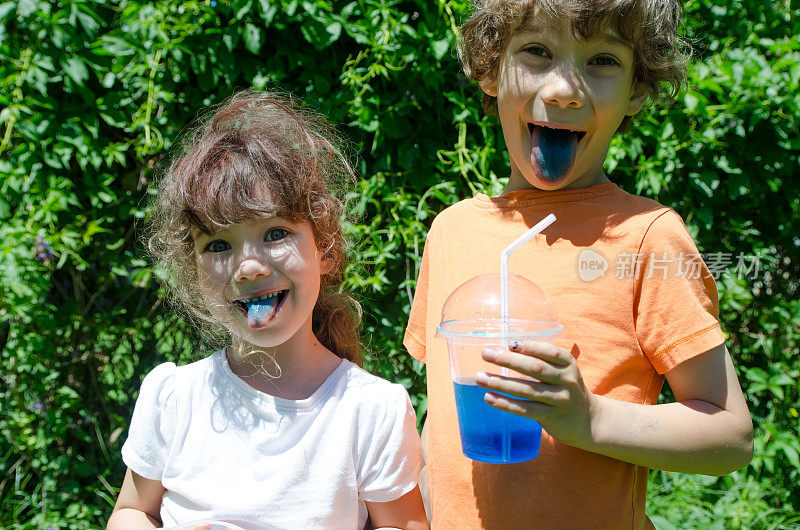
(538, 227)
(504, 309)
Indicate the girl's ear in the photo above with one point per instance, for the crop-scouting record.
(637, 100)
(326, 265)
(489, 85)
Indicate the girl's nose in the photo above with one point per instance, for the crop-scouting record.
(562, 87)
(251, 268)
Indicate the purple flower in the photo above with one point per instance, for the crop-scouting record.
(36, 405)
(43, 251)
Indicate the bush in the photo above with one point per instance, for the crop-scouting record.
(94, 93)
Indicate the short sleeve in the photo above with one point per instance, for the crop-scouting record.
(390, 457)
(414, 339)
(676, 305)
(153, 424)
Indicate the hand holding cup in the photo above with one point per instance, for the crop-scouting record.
(555, 396)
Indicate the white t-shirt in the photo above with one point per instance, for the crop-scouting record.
(226, 451)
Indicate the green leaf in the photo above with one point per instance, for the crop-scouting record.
(268, 10)
(77, 70)
(67, 392)
(26, 7)
(91, 229)
(253, 39)
(440, 48)
(243, 7)
(321, 34)
(87, 20)
(72, 511)
(792, 455)
(334, 31)
(690, 100)
(112, 46)
(6, 9)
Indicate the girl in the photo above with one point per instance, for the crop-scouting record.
(281, 428)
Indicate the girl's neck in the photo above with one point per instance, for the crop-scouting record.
(292, 370)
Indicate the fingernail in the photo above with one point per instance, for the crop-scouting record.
(490, 354)
(481, 378)
(514, 345)
(488, 398)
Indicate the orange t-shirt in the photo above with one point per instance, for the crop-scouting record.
(635, 300)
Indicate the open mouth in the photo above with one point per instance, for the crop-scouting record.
(557, 131)
(553, 151)
(260, 310)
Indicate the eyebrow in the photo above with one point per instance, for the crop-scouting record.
(602, 36)
(530, 27)
(198, 234)
(611, 38)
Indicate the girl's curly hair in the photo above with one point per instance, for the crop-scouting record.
(651, 26)
(257, 142)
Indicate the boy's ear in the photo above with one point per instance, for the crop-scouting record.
(489, 85)
(637, 100)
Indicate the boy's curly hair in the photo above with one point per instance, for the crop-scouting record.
(257, 142)
(651, 26)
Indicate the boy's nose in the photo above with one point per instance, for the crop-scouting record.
(562, 87)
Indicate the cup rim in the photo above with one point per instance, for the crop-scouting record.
(490, 329)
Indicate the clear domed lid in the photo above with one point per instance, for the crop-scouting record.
(474, 310)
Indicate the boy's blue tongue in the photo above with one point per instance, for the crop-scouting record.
(553, 152)
(261, 311)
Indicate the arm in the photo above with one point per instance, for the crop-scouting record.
(406, 513)
(138, 504)
(423, 474)
(708, 430)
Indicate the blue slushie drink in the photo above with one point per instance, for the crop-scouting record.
(471, 322)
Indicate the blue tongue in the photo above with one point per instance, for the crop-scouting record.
(260, 312)
(553, 152)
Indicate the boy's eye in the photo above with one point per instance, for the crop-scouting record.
(218, 245)
(537, 51)
(605, 60)
(275, 234)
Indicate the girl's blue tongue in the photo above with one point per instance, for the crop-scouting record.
(261, 311)
(553, 152)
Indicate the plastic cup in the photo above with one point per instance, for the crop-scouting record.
(471, 322)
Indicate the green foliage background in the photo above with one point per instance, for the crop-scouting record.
(94, 92)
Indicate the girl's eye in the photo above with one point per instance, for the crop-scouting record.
(537, 51)
(605, 60)
(218, 245)
(275, 234)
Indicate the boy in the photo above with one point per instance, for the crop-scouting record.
(563, 77)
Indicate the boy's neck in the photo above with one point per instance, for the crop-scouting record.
(519, 184)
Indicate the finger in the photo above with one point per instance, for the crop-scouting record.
(543, 350)
(521, 388)
(529, 409)
(525, 364)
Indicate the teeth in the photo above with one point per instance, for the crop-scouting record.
(259, 298)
